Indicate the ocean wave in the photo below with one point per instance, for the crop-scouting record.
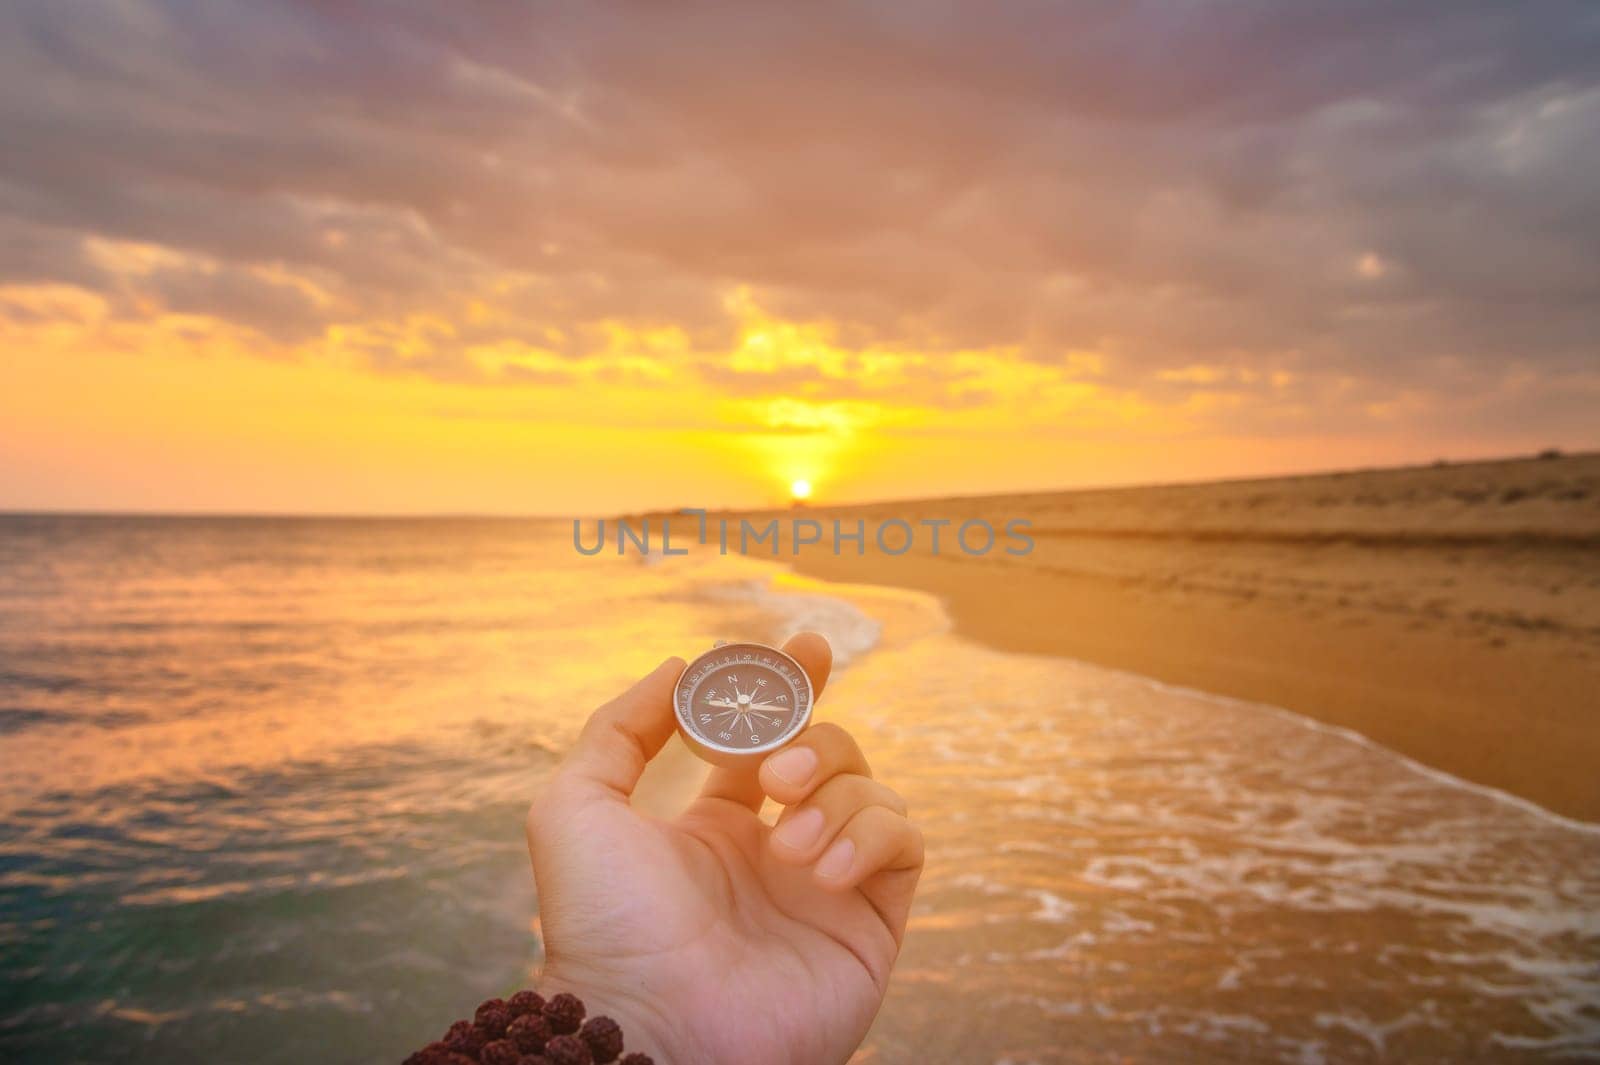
(850, 631)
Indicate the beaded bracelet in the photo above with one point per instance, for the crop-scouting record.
(527, 1030)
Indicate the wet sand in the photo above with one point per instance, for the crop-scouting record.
(1451, 613)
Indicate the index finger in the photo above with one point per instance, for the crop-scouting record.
(623, 735)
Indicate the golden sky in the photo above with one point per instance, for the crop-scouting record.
(340, 259)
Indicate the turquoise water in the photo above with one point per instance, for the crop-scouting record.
(264, 779)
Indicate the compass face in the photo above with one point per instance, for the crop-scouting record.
(741, 699)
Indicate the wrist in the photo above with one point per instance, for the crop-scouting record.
(645, 1027)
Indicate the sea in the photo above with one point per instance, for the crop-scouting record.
(262, 784)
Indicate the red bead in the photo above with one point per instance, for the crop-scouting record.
(525, 1002)
(565, 1013)
(530, 1032)
(637, 1058)
(465, 1038)
(603, 1036)
(567, 1050)
(500, 1052)
(494, 1020)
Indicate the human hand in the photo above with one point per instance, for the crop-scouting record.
(712, 938)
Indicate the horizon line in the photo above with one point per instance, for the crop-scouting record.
(1545, 454)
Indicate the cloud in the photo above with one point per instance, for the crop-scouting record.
(1367, 199)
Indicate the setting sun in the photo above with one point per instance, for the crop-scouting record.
(800, 489)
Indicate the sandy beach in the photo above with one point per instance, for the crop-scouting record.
(1451, 613)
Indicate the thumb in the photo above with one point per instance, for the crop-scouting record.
(624, 734)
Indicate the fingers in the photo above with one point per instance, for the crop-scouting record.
(741, 785)
(892, 885)
(849, 831)
(803, 831)
(877, 840)
(821, 753)
(624, 734)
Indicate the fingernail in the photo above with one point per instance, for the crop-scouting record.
(800, 829)
(837, 861)
(793, 766)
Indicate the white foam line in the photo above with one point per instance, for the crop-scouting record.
(1303, 720)
(1420, 768)
(855, 632)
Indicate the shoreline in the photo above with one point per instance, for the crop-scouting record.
(1469, 649)
(854, 592)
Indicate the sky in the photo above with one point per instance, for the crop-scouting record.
(577, 258)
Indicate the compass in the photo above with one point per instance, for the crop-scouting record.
(740, 701)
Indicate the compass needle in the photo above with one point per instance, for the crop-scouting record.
(742, 701)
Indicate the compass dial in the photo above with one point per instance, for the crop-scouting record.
(741, 700)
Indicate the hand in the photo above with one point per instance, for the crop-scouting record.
(712, 938)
